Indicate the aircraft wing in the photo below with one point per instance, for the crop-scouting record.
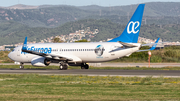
(148, 44)
(152, 48)
(50, 56)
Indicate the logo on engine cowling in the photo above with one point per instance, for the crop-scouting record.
(134, 26)
(99, 50)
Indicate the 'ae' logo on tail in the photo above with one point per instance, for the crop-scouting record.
(134, 26)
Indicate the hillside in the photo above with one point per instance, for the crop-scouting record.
(161, 19)
(151, 9)
(13, 32)
(55, 15)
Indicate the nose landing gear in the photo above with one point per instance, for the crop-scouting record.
(21, 65)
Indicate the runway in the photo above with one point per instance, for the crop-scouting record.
(157, 65)
(110, 64)
(90, 72)
(141, 73)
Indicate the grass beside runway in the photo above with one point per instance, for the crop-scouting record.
(73, 67)
(55, 87)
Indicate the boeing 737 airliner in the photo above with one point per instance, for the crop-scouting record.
(79, 54)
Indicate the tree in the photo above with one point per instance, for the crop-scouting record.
(57, 40)
(83, 40)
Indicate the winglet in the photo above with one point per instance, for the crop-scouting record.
(25, 44)
(154, 46)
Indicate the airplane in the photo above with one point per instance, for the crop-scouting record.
(79, 54)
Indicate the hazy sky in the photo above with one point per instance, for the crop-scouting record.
(6, 3)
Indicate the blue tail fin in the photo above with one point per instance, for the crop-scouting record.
(131, 32)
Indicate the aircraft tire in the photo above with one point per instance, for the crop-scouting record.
(86, 66)
(21, 67)
(63, 67)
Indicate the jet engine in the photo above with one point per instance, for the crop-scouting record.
(40, 61)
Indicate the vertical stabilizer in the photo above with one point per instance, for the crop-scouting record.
(131, 32)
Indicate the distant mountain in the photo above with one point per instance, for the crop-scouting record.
(161, 19)
(55, 15)
(21, 6)
(12, 32)
(151, 9)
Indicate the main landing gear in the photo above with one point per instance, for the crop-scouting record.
(84, 66)
(21, 65)
(63, 66)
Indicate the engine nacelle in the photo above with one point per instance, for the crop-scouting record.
(40, 62)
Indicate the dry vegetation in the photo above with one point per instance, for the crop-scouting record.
(4, 57)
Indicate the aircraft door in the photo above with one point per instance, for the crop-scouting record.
(18, 52)
(113, 47)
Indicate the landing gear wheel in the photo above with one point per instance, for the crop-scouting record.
(84, 66)
(63, 66)
(21, 66)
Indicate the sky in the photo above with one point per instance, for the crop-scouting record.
(6, 3)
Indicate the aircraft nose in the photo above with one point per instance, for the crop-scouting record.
(10, 55)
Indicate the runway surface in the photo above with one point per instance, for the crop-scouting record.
(158, 65)
(142, 73)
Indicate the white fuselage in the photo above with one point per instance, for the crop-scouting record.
(91, 52)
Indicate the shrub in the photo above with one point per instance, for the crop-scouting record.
(170, 53)
(156, 59)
